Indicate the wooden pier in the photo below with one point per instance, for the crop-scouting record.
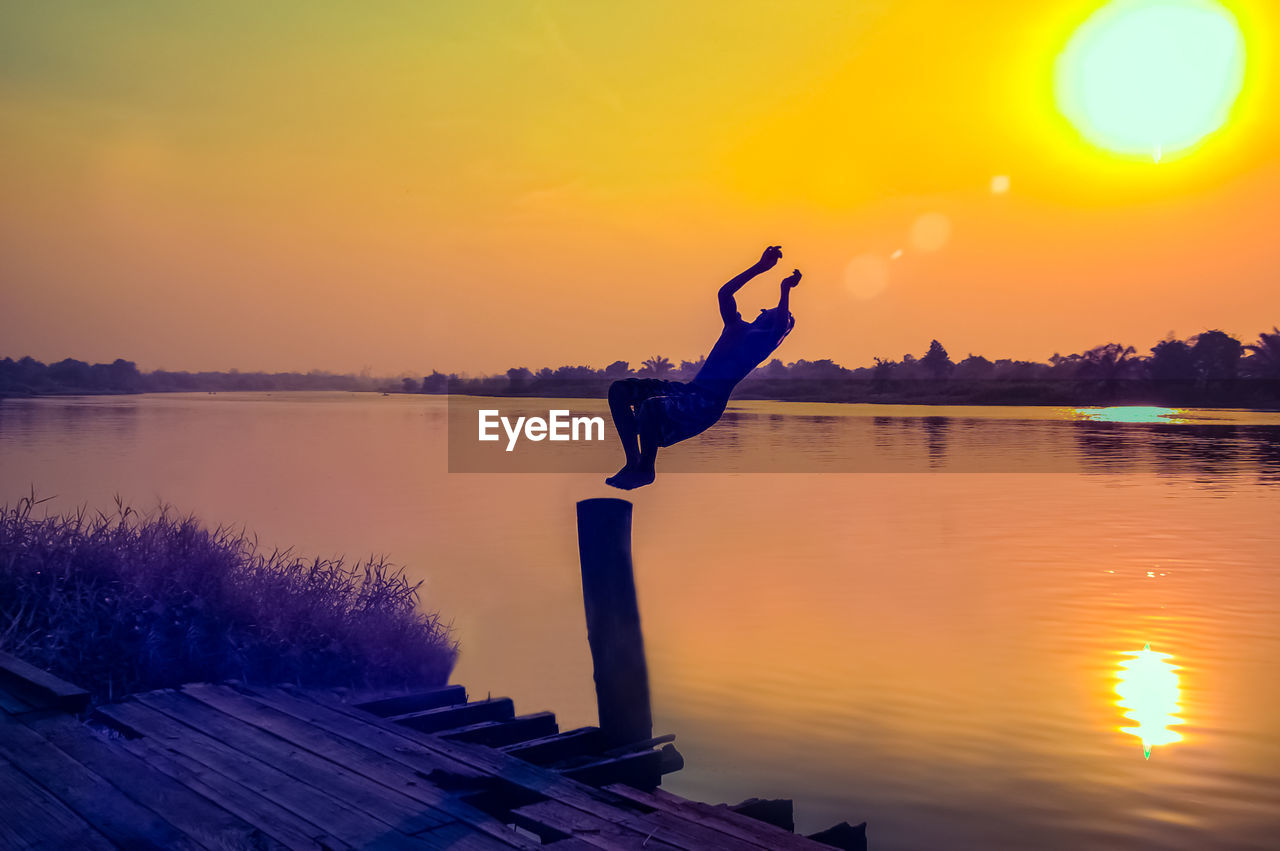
(234, 767)
(230, 766)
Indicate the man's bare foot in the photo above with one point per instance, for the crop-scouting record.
(626, 470)
(629, 479)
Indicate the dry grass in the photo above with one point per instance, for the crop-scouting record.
(126, 602)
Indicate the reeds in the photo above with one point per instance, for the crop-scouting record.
(126, 602)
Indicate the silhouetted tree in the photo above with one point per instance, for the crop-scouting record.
(657, 366)
(617, 369)
(974, 367)
(936, 361)
(825, 369)
(125, 375)
(690, 368)
(30, 371)
(775, 369)
(436, 382)
(518, 378)
(881, 373)
(1018, 370)
(574, 373)
(1217, 355)
(410, 385)
(1171, 360)
(1109, 361)
(1264, 360)
(70, 373)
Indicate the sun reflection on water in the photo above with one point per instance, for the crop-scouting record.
(1131, 414)
(1148, 690)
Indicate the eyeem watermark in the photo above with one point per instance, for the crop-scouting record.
(557, 425)
(534, 434)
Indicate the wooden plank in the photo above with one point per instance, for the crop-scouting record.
(32, 818)
(694, 836)
(493, 734)
(606, 806)
(433, 699)
(48, 690)
(375, 733)
(643, 770)
(557, 748)
(643, 745)
(205, 821)
(457, 836)
(358, 757)
(571, 843)
(117, 817)
(575, 796)
(386, 804)
(720, 817)
(660, 830)
(595, 831)
(11, 703)
(482, 761)
(332, 814)
(779, 812)
(852, 837)
(273, 820)
(449, 717)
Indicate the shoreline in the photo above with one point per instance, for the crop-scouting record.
(1014, 398)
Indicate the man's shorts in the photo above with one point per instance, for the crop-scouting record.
(685, 409)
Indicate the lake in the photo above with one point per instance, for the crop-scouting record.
(962, 658)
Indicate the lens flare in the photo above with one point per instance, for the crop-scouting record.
(1148, 690)
(867, 275)
(930, 232)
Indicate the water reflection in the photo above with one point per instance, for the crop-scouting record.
(933, 654)
(935, 435)
(1211, 454)
(1132, 414)
(1148, 690)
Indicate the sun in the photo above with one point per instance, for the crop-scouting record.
(1150, 78)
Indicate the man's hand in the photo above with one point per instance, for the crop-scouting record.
(791, 281)
(770, 258)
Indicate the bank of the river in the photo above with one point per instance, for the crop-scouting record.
(125, 602)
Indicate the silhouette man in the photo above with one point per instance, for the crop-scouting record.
(651, 412)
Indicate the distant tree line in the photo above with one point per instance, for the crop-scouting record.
(28, 376)
(1212, 368)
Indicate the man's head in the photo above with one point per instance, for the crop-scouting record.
(776, 320)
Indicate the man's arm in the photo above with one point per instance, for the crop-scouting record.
(728, 306)
(789, 283)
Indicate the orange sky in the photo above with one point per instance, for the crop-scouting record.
(467, 187)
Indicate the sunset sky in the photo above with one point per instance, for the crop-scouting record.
(472, 186)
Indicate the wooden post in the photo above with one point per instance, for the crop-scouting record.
(613, 621)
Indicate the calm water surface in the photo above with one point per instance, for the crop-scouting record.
(955, 656)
